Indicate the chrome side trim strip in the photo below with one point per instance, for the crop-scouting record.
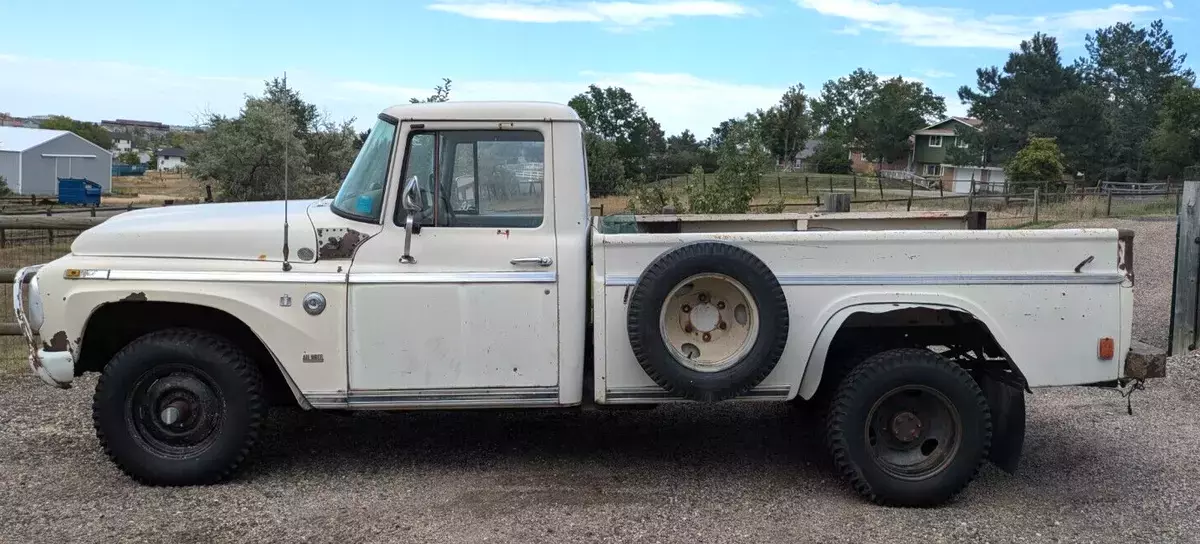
(436, 398)
(235, 277)
(922, 279)
(653, 393)
(455, 277)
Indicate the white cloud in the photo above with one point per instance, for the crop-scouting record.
(34, 86)
(936, 74)
(956, 27)
(612, 14)
(1168, 4)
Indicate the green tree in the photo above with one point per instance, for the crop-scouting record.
(786, 125)
(1040, 161)
(89, 131)
(840, 106)
(606, 173)
(1135, 69)
(684, 141)
(614, 115)
(743, 158)
(129, 157)
(969, 148)
(1016, 102)
(441, 93)
(889, 119)
(831, 156)
(5, 190)
(1080, 121)
(1175, 145)
(245, 155)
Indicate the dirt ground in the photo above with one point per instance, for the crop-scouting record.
(724, 473)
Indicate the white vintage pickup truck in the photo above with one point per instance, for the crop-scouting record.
(458, 267)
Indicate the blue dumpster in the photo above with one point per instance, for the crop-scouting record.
(78, 191)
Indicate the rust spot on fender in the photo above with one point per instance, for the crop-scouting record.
(338, 243)
(58, 342)
(135, 297)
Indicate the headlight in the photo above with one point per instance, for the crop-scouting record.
(34, 305)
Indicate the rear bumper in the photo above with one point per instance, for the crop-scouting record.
(1144, 362)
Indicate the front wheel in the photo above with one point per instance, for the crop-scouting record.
(178, 407)
(909, 428)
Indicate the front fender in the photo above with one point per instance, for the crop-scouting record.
(834, 315)
(308, 348)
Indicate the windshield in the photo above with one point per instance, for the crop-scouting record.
(361, 195)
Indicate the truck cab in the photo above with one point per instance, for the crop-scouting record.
(458, 266)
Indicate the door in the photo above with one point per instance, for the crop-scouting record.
(474, 320)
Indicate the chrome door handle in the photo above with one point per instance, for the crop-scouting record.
(540, 261)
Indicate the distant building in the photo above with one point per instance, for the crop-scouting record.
(930, 155)
(121, 145)
(171, 158)
(130, 125)
(7, 120)
(32, 160)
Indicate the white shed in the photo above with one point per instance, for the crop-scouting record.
(32, 160)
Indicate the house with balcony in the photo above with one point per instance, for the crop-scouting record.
(931, 149)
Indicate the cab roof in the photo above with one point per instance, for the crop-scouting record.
(483, 111)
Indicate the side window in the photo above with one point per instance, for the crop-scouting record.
(480, 178)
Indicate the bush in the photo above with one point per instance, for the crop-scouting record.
(5, 190)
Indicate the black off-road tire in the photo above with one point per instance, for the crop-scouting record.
(872, 381)
(235, 416)
(663, 275)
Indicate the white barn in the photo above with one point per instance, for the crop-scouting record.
(32, 160)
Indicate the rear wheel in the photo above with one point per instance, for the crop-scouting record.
(909, 428)
(178, 407)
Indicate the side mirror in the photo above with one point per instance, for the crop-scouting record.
(410, 198)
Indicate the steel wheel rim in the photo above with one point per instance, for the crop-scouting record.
(913, 432)
(709, 322)
(175, 411)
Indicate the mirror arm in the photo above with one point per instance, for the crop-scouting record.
(409, 227)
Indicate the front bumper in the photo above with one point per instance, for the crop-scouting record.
(55, 367)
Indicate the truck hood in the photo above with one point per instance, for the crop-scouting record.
(240, 231)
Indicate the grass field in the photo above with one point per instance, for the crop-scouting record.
(155, 186)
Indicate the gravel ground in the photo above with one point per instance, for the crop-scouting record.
(731, 473)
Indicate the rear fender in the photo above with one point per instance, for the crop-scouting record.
(836, 314)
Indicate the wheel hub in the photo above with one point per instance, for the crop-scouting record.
(175, 411)
(705, 317)
(709, 321)
(906, 426)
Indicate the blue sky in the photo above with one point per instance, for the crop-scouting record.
(690, 63)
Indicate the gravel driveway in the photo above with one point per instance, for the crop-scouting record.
(731, 473)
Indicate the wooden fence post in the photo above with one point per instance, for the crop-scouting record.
(854, 183)
(879, 180)
(971, 196)
(1187, 268)
(1036, 202)
(912, 186)
(1108, 211)
(831, 183)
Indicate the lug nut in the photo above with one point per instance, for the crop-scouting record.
(703, 297)
(707, 337)
(687, 328)
(686, 308)
(720, 304)
(722, 325)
